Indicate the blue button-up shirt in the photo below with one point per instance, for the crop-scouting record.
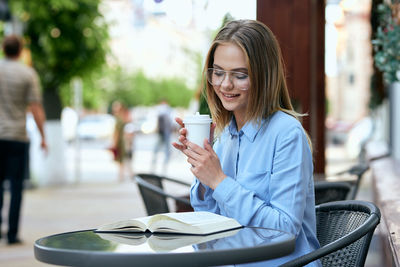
(269, 180)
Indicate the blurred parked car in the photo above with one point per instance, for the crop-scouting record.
(96, 126)
(145, 120)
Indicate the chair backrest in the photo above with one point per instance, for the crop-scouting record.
(153, 194)
(154, 201)
(344, 230)
(331, 191)
(357, 170)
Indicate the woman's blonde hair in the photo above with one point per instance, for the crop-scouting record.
(268, 92)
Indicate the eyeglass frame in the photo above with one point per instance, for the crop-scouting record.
(230, 77)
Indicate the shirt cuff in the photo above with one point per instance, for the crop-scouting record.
(224, 190)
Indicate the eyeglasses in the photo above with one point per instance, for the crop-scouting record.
(239, 79)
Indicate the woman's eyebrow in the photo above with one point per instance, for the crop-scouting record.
(236, 69)
(240, 69)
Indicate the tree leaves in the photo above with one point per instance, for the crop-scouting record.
(387, 44)
(66, 38)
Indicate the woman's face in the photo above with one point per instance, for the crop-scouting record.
(230, 57)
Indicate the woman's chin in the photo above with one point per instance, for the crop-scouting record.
(230, 107)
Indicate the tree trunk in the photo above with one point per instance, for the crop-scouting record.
(50, 169)
(52, 104)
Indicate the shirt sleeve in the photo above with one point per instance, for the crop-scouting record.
(289, 185)
(34, 94)
(206, 203)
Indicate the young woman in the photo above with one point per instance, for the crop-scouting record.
(259, 170)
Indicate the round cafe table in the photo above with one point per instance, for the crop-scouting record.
(89, 248)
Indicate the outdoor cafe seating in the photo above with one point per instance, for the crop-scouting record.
(352, 176)
(344, 230)
(326, 191)
(155, 197)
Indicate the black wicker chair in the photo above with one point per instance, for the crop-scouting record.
(154, 196)
(331, 191)
(344, 230)
(357, 170)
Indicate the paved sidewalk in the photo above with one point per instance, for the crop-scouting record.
(55, 210)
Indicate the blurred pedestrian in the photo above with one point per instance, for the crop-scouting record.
(164, 130)
(123, 140)
(19, 92)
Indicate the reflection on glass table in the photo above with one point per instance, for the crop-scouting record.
(87, 248)
(247, 237)
(163, 242)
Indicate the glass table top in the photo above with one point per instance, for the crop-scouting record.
(89, 240)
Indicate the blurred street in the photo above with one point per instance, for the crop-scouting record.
(99, 198)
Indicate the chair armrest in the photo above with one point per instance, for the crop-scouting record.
(161, 178)
(328, 185)
(159, 191)
(358, 170)
(176, 181)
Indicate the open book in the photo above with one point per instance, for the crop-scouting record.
(193, 223)
(163, 242)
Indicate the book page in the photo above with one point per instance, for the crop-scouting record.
(201, 222)
(133, 225)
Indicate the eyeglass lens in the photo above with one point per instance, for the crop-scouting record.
(217, 76)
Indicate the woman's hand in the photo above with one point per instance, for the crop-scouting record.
(182, 136)
(183, 133)
(205, 162)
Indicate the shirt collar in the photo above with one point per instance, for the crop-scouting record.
(250, 129)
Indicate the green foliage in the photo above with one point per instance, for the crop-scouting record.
(1, 29)
(132, 89)
(69, 39)
(66, 38)
(137, 89)
(203, 106)
(387, 44)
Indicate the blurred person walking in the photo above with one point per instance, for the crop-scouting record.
(164, 130)
(19, 92)
(123, 140)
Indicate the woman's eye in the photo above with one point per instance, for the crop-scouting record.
(218, 73)
(241, 76)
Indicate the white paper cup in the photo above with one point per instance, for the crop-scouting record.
(198, 128)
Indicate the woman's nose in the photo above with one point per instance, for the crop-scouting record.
(227, 82)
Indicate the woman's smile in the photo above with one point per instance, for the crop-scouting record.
(229, 96)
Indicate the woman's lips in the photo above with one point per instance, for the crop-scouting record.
(229, 96)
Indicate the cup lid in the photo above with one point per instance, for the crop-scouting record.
(197, 118)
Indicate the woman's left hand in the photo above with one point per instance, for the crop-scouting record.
(205, 163)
